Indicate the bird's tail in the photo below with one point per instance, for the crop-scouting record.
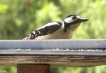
(26, 38)
(31, 36)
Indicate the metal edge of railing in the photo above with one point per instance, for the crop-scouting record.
(89, 47)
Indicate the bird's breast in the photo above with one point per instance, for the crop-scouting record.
(59, 34)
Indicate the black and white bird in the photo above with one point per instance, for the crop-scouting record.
(57, 30)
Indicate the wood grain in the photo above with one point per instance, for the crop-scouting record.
(79, 61)
(33, 68)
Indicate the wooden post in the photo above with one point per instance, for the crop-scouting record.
(33, 68)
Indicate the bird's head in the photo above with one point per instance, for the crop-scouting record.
(73, 21)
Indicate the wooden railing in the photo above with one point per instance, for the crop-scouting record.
(38, 56)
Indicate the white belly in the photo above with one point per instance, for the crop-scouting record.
(57, 35)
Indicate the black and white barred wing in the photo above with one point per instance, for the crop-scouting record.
(44, 30)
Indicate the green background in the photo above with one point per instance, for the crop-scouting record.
(20, 17)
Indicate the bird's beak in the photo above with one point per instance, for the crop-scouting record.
(83, 19)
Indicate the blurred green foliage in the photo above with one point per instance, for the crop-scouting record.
(20, 17)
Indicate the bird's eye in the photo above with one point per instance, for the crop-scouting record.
(74, 17)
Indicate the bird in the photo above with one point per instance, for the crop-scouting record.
(57, 29)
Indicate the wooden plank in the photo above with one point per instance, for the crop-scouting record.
(78, 61)
(33, 68)
(53, 52)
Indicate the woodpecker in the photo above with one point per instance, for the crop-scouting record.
(57, 30)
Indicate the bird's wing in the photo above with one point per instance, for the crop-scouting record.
(44, 30)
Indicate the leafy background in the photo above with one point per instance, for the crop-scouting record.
(20, 17)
